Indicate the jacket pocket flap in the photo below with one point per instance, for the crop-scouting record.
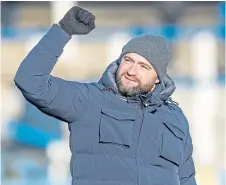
(117, 115)
(176, 131)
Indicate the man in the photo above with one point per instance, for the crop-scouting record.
(124, 130)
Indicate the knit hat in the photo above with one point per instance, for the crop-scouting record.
(155, 49)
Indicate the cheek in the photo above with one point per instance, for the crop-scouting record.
(120, 73)
(148, 78)
(122, 70)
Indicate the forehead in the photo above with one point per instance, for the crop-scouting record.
(137, 58)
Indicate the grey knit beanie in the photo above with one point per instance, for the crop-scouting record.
(154, 49)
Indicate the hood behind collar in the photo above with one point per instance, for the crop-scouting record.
(109, 75)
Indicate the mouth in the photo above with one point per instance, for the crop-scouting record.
(130, 79)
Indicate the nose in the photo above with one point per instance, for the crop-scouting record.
(132, 71)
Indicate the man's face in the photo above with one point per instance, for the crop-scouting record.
(135, 75)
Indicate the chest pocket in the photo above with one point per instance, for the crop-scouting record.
(116, 127)
(172, 143)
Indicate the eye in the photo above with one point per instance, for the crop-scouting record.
(145, 67)
(127, 60)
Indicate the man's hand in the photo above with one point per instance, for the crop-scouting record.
(78, 21)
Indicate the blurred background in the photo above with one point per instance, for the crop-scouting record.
(35, 148)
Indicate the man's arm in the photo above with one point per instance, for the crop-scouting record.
(187, 168)
(54, 96)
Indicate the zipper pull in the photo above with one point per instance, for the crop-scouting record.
(145, 104)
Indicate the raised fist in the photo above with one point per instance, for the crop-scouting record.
(78, 21)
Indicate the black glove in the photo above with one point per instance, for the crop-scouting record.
(169, 88)
(78, 21)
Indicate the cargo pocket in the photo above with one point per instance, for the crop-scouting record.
(116, 127)
(172, 147)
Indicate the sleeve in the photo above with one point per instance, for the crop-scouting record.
(64, 100)
(187, 168)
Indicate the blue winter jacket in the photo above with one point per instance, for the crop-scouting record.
(114, 140)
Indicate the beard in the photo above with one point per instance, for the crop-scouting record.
(129, 91)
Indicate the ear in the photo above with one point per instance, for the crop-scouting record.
(157, 81)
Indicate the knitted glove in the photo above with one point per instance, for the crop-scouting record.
(78, 21)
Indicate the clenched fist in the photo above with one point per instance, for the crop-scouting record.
(78, 21)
